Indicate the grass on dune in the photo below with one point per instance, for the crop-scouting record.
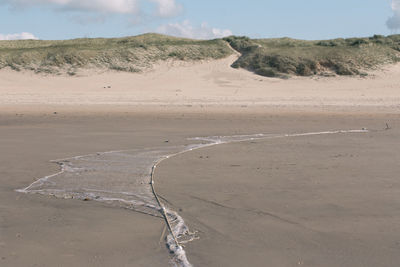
(132, 54)
(284, 57)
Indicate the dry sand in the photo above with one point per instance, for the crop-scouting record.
(308, 201)
(212, 83)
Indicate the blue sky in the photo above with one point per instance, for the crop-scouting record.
(307, 19)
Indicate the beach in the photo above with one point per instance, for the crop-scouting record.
(325, 200)
(212, 84)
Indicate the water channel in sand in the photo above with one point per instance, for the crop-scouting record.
(125, 179)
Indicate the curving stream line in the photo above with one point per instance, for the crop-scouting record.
(175, 224)
(173, 243)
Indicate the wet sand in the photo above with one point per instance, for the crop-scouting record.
(312, 201)
(329, 200)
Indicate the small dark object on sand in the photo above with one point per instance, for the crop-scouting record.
(55, 113)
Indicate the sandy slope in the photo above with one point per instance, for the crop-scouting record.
(207, 83)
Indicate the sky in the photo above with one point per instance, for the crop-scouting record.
(200, 19)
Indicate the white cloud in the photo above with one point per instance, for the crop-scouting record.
(164, 8)
(106, 6)
(393, 22)
(18, 36)
(167, 8)
(186, 29)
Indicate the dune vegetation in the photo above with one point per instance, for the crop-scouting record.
(285, 57)
(281, 58)
(131, 54)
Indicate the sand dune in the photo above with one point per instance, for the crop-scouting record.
(211, 83)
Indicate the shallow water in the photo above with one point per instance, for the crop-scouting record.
(124, 178)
